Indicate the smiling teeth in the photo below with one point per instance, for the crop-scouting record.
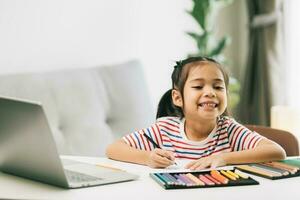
(212, 105)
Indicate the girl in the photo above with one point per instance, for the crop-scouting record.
(193, 124)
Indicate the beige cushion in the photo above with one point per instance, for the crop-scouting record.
(87, 108)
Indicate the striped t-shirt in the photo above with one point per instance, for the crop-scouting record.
(168, 133)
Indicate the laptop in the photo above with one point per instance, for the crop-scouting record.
(28, 149)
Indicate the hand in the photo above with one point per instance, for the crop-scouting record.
(159, 158)
(207, 162)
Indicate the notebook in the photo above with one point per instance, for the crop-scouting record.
(28, 150)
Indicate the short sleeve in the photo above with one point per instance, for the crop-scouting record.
(139, 141)
(241, 138)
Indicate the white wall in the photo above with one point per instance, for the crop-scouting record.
(292, 48)
(39, 35)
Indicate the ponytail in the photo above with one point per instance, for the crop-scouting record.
(167, 108)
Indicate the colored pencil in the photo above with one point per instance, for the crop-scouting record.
(287, 165)
(188, 181)
(161, 179)
(283, 166)
(170, 180)
(206, 180)
(151, 141)
(212, 179)
(173, 179)
(292, 171)
(109, 167)
(232, 174)
(228, 175)
(180, 179)
(274, 169)
(195, 179)
(256, 170)
(219, 176)
(275, 173)
(241, 174)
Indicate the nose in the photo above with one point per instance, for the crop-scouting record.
(209, 92)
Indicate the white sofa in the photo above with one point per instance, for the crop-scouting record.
(87, 108)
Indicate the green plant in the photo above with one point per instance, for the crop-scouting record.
(204, 13)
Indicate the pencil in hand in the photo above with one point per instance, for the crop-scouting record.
(154, 143)
(150, 140)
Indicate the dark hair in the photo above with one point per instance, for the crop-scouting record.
(180, 73)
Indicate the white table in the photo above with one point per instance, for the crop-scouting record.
(145, 188)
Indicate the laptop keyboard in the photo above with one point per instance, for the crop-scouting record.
(79, 177)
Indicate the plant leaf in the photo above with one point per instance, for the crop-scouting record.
(201, 41)
(219, 47)
(200, 11)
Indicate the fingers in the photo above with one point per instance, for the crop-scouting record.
(167, 154)
(198, 165)
(162, 161)
(161, 158)
(190, 164)
(207, 162)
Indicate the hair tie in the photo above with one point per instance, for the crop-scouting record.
(178, 64)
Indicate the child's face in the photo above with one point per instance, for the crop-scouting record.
(205, 96)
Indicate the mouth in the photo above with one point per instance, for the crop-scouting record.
(208, 105)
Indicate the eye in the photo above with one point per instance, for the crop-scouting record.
(198, 87)
(218, 87)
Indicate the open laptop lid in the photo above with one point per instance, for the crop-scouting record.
(26, 144)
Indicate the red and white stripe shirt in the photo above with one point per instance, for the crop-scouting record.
(168, 133)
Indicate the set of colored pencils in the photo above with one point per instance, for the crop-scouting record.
(271, 170)
(202, 179)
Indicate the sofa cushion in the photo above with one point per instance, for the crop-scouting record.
(86, 108)
(128, 97)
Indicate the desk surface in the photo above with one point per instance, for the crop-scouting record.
(12, 187)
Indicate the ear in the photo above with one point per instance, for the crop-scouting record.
(177, 99)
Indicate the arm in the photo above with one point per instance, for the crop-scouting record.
(119, 150)
(266, 150)
(157, 158)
